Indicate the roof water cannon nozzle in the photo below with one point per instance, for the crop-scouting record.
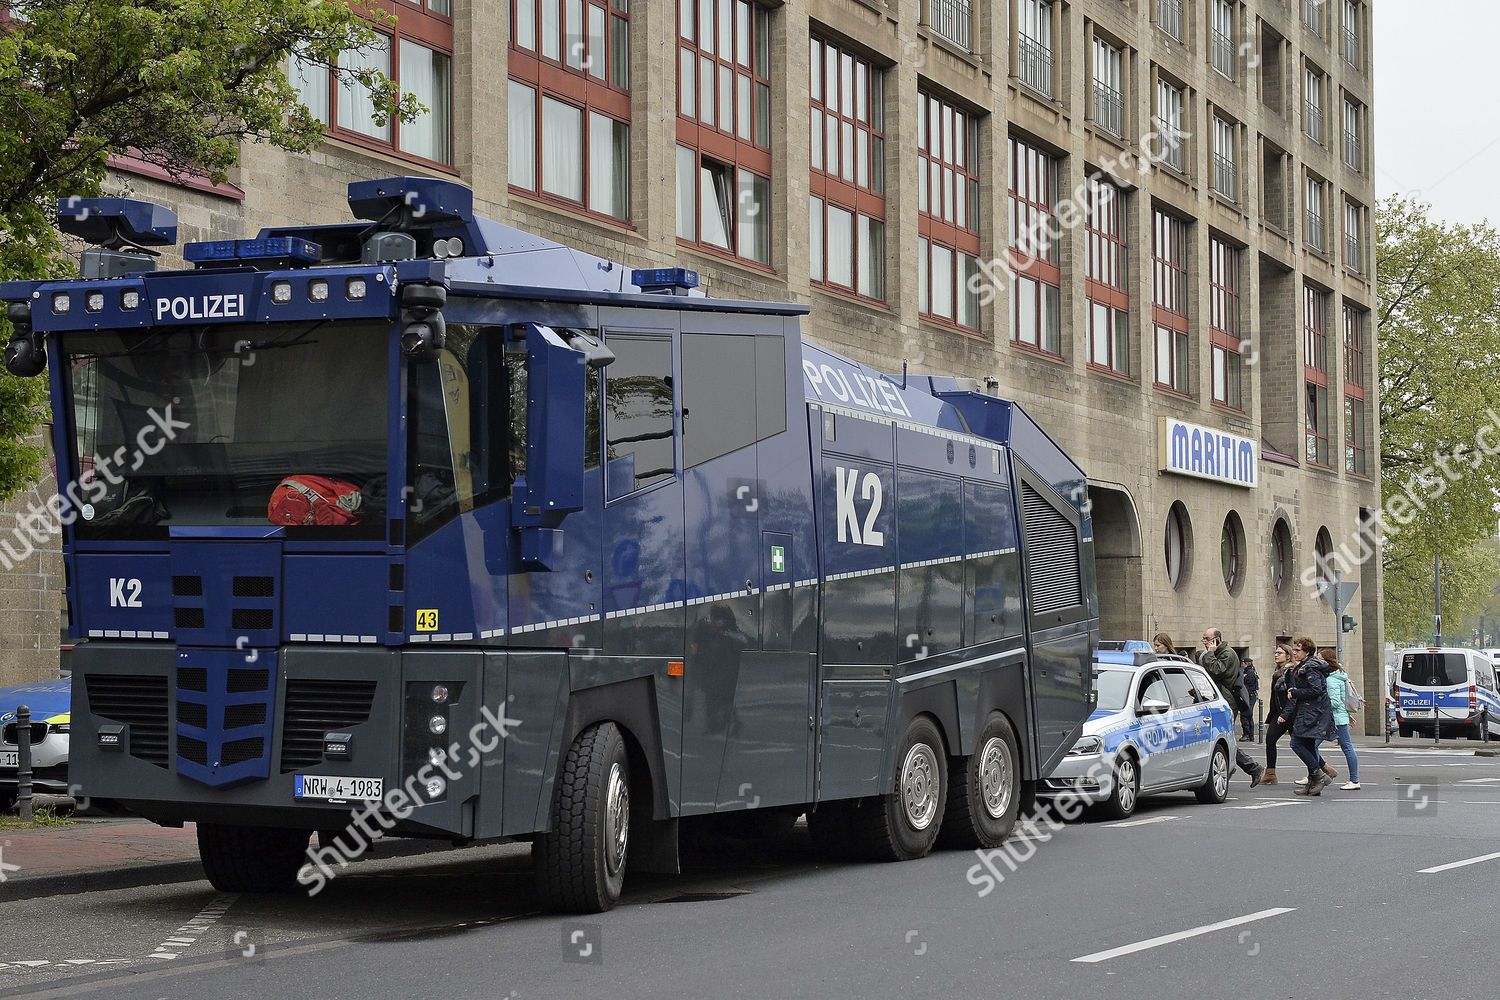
(121, 231)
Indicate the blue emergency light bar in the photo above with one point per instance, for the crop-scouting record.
(287, 251)
(663, 279)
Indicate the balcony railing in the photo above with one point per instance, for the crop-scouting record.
(1035, 64)
(1351, 46)
(1312, 117)
(1168, 144)
(951, 19)
(1224, 177)
(1353, 258)
(1315, 230)
(1353, 151)
(1169, 17)
(1312, 15)
(1109, 109)
(1224, 54)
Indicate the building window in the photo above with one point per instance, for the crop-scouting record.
(1105, 278)
(1316, 237)
(1169, 135)
(1224, 323)
(1281, 555)
(1312, 104)
(1351, 33)
(417, 56)
(1355, 437)
(1109, 101)
(1232, 552)
(1354, 255)
(947, 212)
(951, 19)
(1323, 556)
(1353, 145)
(1034, 44)
(1036, 302)
(1315, 373)
(847, 188)
(724, 127)
(1226, 182)
(1169, 291)
(1354, 349)
(1179, 540)
(1169, 17)
(1224, 51)
(569, 102)
(1312, 15)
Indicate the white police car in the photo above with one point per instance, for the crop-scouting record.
(1159, 725)
(49, 705)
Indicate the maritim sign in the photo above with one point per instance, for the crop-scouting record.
(1190, 450)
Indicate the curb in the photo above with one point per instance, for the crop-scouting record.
(100, 880)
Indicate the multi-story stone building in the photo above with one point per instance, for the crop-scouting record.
(1148, 220)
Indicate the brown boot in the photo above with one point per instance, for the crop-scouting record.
(1269, 777)
(1328, 770)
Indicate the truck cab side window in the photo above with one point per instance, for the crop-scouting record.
(638, 404)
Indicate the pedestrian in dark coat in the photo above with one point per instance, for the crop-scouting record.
(1223, 666)
(1308, 714)
(1281, 679)
(1252, 695)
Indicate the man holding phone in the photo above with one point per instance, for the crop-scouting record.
(1223, 665)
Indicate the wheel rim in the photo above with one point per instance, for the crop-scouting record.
(919, 786)
(1221, 773)
(995, 779)
(1126, 779)
(617, 818)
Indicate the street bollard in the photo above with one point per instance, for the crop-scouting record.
(23, 763)
(1437, 721)
(1484, 724)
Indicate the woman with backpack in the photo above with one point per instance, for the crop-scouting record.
(1344, 700)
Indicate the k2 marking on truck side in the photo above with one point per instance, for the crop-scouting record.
(848, 514)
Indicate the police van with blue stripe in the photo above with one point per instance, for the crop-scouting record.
(1449, 690)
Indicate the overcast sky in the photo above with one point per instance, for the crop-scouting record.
(1437, 133)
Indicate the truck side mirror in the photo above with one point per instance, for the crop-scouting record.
(552, 488)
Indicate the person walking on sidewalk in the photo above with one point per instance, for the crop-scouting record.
(1252, 695)
(1281, 677)
(1308, 714)
(1223, 666)
(1344, 701)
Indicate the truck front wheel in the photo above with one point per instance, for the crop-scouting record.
(251, 858)
(580, 863)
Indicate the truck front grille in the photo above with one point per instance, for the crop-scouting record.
(316, 706)
(137, 701)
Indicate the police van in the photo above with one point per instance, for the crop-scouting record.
(1447, 689)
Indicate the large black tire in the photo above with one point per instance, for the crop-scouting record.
(1215, 789)
(580, 864)
(251, 858)
(903, 825)
(828, 826)
(1127, 789)
(984, 790)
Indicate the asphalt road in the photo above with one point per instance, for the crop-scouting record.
(1267, 896)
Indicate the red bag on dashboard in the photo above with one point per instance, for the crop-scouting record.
(314, 500)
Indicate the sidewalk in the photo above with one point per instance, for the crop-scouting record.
(88, 855)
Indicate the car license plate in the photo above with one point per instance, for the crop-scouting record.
(1419, 713)
(338, 787)
(10, 758)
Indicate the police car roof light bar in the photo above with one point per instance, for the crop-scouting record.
(117, 223)
(675, 280)
(288, 251)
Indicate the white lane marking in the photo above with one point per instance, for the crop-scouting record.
(1270, 805)
(1478, 781)
(1459, 864)
(1157, 942)
(188, 934)
(1143, 822)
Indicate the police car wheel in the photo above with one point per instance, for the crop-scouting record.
(1127, 790)
(251, 858)
(1216, 788)
(580, 864)
(904, 824)
(984, 790)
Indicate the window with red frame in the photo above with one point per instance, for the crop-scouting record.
(1105, 278)
(417, 54)
(846, 200)
(1169, 301)
(1315, 373)
(947, 212)
(1036, 320)
(1355, 437)
(1224, 323)
(724, 127)
(569, 102)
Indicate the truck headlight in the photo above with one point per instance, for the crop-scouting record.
(1087, 747)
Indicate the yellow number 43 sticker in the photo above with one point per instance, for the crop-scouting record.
(427, 620)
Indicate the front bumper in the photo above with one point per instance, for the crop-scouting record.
(1087, 778)
(49, 765)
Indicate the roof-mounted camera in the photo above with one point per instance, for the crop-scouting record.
(404, 208)
(121, 231)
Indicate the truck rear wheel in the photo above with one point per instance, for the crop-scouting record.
(904, 824)
(580, 864)
(251, 858)
(984, 790)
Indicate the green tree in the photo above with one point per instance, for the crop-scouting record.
(1439, 338)
(182, 83)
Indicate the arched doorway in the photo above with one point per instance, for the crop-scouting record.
(1117, 558)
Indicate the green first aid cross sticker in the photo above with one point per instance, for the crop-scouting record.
(778, 559)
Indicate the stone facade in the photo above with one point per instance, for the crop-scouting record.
(1108, 422)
